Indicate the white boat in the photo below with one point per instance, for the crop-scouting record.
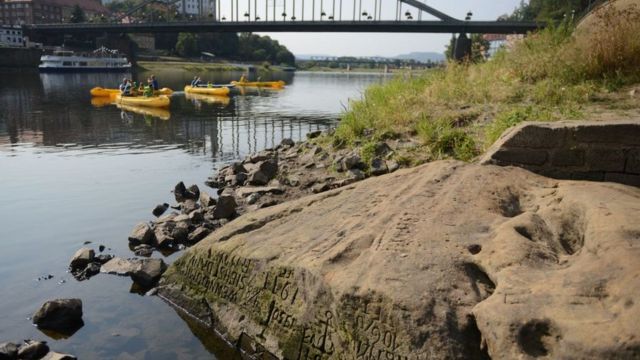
(102, 59)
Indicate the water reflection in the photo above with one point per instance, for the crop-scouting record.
(74, 170)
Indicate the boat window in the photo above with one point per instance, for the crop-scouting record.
(82, 63)
(66, 63)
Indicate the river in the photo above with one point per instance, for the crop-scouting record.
(72, 172)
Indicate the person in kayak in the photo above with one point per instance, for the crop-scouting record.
(153, 83)
(125, 87)
(148, 91)
(243, 78)
(196, 81)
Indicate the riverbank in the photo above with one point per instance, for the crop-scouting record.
(187, 66)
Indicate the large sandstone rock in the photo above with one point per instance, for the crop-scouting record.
(443, 261)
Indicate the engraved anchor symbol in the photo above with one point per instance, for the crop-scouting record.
(328, 349)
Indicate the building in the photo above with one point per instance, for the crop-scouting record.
(496, 42)
(196, 7)
(11, 36)
(18, 12)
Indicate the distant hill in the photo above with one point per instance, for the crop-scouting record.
(423, 56)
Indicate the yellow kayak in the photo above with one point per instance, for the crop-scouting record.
(98, 91)
(207, 91)
(268, 84)
(160, 113)
(161, 101)
(211, 99)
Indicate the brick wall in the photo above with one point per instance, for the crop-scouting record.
(578, 150)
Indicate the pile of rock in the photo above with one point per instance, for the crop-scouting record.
(199, 215)
(85, 264)
(291, 170)
(30, 350)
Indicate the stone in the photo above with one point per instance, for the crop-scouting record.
(180, 233)
(313, 134)
(103, 258)
(568, 157)
(225, 208)
(206, 200)
(252, 198)
(357, 174)
(60, 315)
(120, 266)
(142, 250)
(33, 350)
(160, 209)
(320, 187)
(188, 206)
(196, 216)
(246, 191)
(260, 156)
(8, 351)
(163, 236)
(166, 218)
(338, 164)
(265, 171)
(446, 261)
(378, 167)
(392, 165)
(101, 248)
(59, 356)
(91, 270)
(351, 161)
(81, 259)
(198, 234)
(148, 273)
(181, 193)
(605, 159)
(287, 142)
(142, 234)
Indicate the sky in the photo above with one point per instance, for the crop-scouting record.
(378, 44)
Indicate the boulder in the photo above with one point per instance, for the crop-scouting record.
(142, 250)
(103, 258)
(142, 234)
(180, 233)
(181, 193)
(60, 315)
(287, 142)
(265, 171)
(320, 187)
(198, 234)
(8, 351)
(58, 356)
(246, 191)
(148, 272)
(351, 161)
(378, 167)
(356, 174)
(163, 236)
(260, 156)
(252, 198)
(392, 165)
(313, 134)
(442, 261)
(81, 259)
(120, 266)
(188, 206)
(33, 350)
(160, 209)
(206, 200)
(225, 208)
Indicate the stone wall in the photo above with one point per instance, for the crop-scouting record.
(577, 150)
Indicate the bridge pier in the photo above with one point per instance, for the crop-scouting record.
(462, 47)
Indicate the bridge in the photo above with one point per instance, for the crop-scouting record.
(371, 16)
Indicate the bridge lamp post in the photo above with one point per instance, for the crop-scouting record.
(322, 14)
(284, 16)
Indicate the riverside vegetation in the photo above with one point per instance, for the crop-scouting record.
(564, 72)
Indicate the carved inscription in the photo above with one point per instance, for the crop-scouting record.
(272, 297)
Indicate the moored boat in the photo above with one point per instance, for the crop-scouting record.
(99, 91)
(221, 90)
(265, 84)
(161, 101)
(102, 59)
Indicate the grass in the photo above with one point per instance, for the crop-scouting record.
(559, 73)
(188, 66)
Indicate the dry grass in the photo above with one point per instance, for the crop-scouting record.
(555, 74)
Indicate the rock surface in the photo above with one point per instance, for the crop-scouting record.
(445, 260)
(8, 351)
(60, 315)
(58, 356)
(81, 259)
(33, 350)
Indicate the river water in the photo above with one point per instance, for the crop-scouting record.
(73, 172)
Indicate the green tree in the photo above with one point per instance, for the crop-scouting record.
(77, 15)
(187, 45)
(545, 10)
